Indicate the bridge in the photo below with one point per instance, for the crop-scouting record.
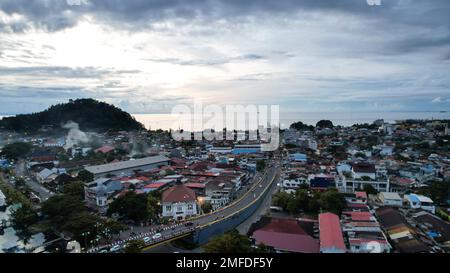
(205, 226)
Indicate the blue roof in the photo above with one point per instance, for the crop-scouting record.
(414, 198)
(245, 151)
(298, 156)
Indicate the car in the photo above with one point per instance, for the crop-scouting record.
(189, 224)
(147, 240)
(157, 236)
(103, 251)
(114, 248)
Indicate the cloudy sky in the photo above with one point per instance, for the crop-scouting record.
(148, 55)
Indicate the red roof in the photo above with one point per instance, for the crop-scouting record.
(155, 185)
(195, 185)
(330, 232)
(361, 194)
(178, 193)
(360, 215)
(104, 149)
(287, 235)
(143, 178)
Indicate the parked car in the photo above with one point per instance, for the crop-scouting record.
(147, 240)
(157, 236)
(188, 224)
(114, 248)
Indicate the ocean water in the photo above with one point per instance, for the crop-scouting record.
(168, 121)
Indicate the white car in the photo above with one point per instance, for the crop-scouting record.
(157, 236)
(114, 248)
(147, 240)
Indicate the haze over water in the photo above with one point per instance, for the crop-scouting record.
(167, 121)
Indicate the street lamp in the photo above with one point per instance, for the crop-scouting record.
(85, 234)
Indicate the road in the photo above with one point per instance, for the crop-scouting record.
(35, 186)
(174, 232)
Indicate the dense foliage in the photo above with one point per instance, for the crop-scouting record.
(229, 242)
(88, 113)
(303, 200)
(131, 206)
(324, 124)
(301, 126)
(16, 150)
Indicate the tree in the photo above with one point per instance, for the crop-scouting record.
(78, 223)
(230, 242)
(369, 189)
(301, 126)
(332, 201)
(438, 191)
(314, 205)
(302, 199)
(16, 150)
(260, 165)
(75, 189)
(134, 246)
(85, 176)
(324, 124)
(131, 206)
(23, 217)
(153, 207)
(207, 207)
(59, 208)
(281, 199)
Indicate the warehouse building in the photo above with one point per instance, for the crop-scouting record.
(124, 168)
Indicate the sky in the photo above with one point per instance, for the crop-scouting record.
(146, 56)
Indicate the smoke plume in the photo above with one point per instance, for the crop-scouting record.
(75, 135)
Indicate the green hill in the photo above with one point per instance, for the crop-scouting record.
(88, 113)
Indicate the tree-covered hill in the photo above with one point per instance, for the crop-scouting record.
(88, 113)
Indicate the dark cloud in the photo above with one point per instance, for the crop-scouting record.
(58, 14)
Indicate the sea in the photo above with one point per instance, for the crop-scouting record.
(169, 121)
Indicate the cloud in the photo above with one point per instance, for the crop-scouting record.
(440, 100)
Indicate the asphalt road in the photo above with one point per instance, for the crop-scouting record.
(35, 186)
(167, 234)
(229, 210)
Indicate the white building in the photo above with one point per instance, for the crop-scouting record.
(416, 201)
(390, 199)
(179, 202)
(361, 174)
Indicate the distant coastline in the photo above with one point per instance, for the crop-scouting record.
(166, 121)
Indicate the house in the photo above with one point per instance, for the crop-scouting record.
(179, 202)
(416, 201)
(331, 238)
(400, 233)
(219, 192)
(104, 149)
(285, 235)
(298, 157)
(48, 175)
(390, 199)
(97, 192)
(361, 174)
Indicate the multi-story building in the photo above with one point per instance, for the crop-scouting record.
(362, 174)
(179, 202)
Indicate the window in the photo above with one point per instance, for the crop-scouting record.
(179, 208)
(168, 208)
(190, 207)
